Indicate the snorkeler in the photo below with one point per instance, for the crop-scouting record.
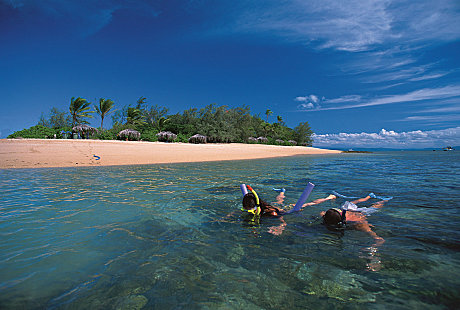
(351, 217)
(255, 208)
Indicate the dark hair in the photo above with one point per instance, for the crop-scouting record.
(249, 201)
(332, 217)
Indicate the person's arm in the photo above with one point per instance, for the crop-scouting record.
(278, 230)
(280, 198)
(365, 227)
(318, 201)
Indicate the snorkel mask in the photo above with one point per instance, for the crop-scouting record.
(340, 225)
(256, 210)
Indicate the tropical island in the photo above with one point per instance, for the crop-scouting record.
(211, 124)
(225, 134)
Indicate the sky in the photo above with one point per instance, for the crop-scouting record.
(362, 73)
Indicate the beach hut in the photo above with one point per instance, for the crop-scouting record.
(252, 140)
(279, 141)
(262, 140)
(292, 142)
(197, 139)
(84, 130)
(129, 134)
(166, 136)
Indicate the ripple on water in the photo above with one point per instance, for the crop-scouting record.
(169, 236)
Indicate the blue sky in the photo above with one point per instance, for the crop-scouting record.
(362, 73)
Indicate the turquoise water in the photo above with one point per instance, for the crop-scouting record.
(166, 237)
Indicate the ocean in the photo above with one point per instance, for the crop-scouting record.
(172, 236)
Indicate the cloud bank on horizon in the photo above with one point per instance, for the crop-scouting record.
(391, 139)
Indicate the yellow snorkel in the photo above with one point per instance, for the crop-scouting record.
(256, 210)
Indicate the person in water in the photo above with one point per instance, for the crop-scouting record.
(256, 208)
(349, 217)
(335, 219)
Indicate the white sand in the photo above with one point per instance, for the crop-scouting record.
(36, 153)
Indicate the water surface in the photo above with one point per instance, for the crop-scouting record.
(170, 236)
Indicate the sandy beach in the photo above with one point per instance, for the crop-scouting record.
(37, 153)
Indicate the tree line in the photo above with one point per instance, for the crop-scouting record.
(220, 124)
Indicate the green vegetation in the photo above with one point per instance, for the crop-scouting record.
(79, 110)
(104, 109)
(217, 124)
(36, 132)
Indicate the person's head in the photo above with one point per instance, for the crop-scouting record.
(333, 218)
(249, 201)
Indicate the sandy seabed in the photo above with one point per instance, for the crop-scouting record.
(38, 153)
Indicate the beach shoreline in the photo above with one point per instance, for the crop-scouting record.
(51, 153)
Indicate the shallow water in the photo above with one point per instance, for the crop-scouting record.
(170, 236)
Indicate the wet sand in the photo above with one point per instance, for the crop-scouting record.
(37, 153)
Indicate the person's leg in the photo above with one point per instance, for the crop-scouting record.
(361, 200)
(378, 204)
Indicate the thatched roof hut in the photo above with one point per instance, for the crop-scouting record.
(262, 140)
(84, 129)
(129, 134)
(197, 139)
(279, 141)
(292, 142)
(252, 140)
(166, 136)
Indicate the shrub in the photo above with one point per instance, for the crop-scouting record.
(149, 135)
(182, 138)
(36, 132)
(105, 135)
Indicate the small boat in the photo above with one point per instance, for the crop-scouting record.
(448, 148)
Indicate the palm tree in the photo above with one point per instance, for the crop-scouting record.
(105, 105)
(280, 119)
(79, 110)
(268, 113)
(134, 117)
(140, 102)
(161, 123)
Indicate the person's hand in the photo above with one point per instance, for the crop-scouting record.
(379, 241)
(276, 230)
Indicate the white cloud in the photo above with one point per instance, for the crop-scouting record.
(391, 139)
(356, 101)
(355, 25)
(427, 77)
(301, 99)
(306, 106)
(308, 102)
(314, 98)
(351, 98)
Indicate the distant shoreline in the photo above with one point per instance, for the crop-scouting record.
(48, 153)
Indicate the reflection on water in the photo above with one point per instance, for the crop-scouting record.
(170, 236)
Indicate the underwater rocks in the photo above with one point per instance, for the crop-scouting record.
(328, 281)
(132, 302)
